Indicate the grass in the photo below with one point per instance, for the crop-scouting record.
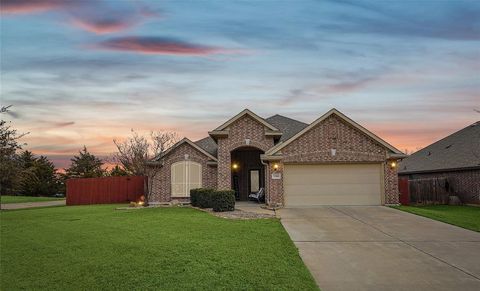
(99, 248)
(464, 216)
(6, 199)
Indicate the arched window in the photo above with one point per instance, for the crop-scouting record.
(186, 175)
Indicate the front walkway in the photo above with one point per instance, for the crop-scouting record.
(11, 206)
(252, 206)
(379, 248)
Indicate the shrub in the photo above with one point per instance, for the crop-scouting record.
(201, 197)
(204, 198)
(194, 197)
(223, 200)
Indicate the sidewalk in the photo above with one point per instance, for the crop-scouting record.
(10, 206)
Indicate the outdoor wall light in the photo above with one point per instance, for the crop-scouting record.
(393, 164)
(275, 166)
(234, 166)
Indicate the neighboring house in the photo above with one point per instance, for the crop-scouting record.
(454, 159)
(332, 161)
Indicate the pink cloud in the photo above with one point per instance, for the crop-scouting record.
(104, 26)
(30, 6)
(87, 15)
(103, 19)
(160, 46)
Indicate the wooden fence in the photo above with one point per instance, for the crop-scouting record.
(429, 191)
(104, 190)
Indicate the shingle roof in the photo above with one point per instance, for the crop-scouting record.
(289, 127)
(456, 151)
(208, 144)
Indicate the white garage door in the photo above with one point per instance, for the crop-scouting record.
(348, 184)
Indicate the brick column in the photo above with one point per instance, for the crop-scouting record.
(391, 184)
(275, 187)
(224, 172)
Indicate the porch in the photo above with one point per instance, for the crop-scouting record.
(247, 172)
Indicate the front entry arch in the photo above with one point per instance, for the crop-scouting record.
(248, 173)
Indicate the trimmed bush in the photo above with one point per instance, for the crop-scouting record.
(223, 200)
(194, 197)
(201, 197)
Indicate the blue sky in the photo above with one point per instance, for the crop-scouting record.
(85, 72)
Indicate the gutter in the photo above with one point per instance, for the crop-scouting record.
(439, 170)
(265, 157)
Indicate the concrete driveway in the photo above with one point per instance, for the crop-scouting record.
(379, 248)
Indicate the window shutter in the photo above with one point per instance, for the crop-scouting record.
(194, 176)
(178, 180)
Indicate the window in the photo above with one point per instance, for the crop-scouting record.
(186, 175)
(254, 181)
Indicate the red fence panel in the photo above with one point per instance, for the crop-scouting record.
(104, 190)
(404, 190)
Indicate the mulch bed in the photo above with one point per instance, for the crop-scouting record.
(237, 214)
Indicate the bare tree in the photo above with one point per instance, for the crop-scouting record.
(137, 154)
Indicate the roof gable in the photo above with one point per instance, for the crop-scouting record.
(460, 150)
(195, 146)
(241, 114)
(334, 111)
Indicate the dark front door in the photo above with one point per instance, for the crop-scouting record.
(248, 173)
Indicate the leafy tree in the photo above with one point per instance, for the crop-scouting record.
(26, 160)
(117, 171)
(136, 153)
(9, 145)
(37, 177)
(85, 165)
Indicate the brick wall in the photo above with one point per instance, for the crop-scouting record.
(351, 145)
(392, 195)
(161, 185)
(274, 188)
(244, 128)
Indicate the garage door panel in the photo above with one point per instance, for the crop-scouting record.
(334, 181)
(330, 199)
(355, 184)
(311, 174)
(348, 189)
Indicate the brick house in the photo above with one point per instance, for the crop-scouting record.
(332, 161)
(452, 165)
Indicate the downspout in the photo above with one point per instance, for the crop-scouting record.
(267, 200)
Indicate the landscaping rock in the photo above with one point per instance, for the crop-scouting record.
(454, 200)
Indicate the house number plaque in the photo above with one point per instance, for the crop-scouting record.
(276, 176)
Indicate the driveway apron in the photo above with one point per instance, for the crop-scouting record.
(379, 248)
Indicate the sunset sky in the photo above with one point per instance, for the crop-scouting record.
(85, 72)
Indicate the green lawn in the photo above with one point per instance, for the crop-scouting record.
(5, 199)
(464, 216)
(97, 247)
